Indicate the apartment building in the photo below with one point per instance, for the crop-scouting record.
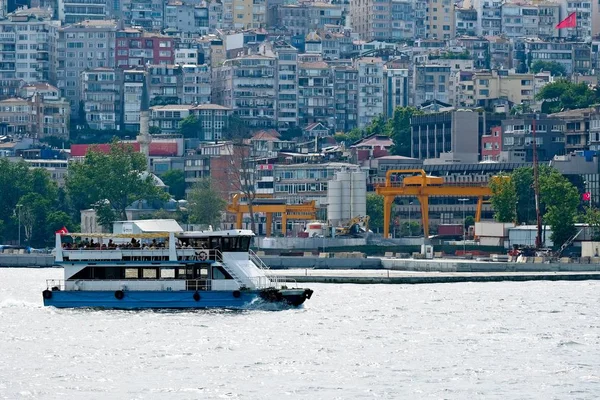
(396, 87)
(101, 94)
(165, 84)
(441, 22)
(135, 47)
(315, 94)
(345, 89)
(300, 19)
(75, 11)
(549, 15)
(517, 138)
(42, 114)
(83, 46)
(27, 49)
(248, 85)
(491, 144)
(287, 83)
(585, 18)
(370, 90)
(430, 82)
(196, 84)
(519, 20)
(213, 118)
(187, 17)
(580, 127)
(575, 57)
(384, 20)
(483, 88)
(466, 21)
(244, 14)
(147, 14)
(489, 15)
(133, 83)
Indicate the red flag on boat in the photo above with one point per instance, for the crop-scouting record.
(587, 196)
(63, 230)
(569, 22)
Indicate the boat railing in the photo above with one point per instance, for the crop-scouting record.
(141, 254)
(257, 260)
(141, 284)
(273, 281)
(199, 254)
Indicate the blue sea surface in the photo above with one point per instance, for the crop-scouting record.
(530, 340)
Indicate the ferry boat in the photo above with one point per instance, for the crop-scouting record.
(187, 270)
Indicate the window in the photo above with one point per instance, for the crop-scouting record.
(149, 273)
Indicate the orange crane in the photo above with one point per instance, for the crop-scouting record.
(422, 187)
(266, 204)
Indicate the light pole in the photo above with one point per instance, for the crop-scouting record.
(19, 215)
(464, 205)
(409, 219)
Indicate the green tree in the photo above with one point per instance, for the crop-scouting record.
(205, 206)
(34, 211)
(591, 217)
(292, 133)
(469, 221)
(55, 220)
(565, 95)
(561, 200)
(555, 68)
(111, 182)
(399, 129)
(191, 127)
(504, 198)
(375, 211)
(154, 130)
(237, 129)
(175, 180)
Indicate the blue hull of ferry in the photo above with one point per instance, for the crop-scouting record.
(135, 300)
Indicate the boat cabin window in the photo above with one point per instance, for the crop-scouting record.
(131, 273)
(167, 273)
(149, 273)
(234, 243)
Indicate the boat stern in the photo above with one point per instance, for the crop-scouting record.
(293, 297)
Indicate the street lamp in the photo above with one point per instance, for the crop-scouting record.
(409, 219)
(463, 224)
(19, 215)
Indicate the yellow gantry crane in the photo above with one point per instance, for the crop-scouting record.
(266, 204)
(422, 187)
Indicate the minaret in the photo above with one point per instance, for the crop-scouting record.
(144, 137)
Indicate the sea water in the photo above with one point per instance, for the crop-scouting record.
(531, 340)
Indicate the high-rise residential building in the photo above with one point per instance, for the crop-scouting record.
(396, 87)
(165, 84)
(489, 15)
(466, 21)
(315, 94)
(196, 84)
(585, 18)
(370, 89)
(74, 11)
(187, 18)
(440, 19)
(27, 49)
(244, 14)
(430, 82)
(383, 19)
(520, 20)
(101, 96)
(287, 85)
(82, 46)
(345, 89)
(132, 98)
(146, 14)
(135, 48)
(300, 19)
(247, 85)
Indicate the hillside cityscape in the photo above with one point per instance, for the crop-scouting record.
(276, 100)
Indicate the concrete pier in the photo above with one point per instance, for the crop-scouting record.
(408, 278)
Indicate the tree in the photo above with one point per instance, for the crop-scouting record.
(154, 130)
(399, 130)
(175, 180)
(555, 68)
(565, 95)
(191, 127)
(469, 221)
(375, 211)
(559, 200)
(111, 182)
(34, 192)
(55, 220)
(504, 199)
(591, 217)
(292, 133)
(205, 205)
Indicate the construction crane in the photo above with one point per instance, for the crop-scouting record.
(422, 187)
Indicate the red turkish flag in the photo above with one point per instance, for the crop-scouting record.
(569, 22)
(63, 230)
(587, 196)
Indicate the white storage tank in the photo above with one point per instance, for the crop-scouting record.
(358, 206)
(345, 179)
(334, 200)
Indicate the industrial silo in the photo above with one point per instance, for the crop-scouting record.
(358, 199)
(334, 201)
